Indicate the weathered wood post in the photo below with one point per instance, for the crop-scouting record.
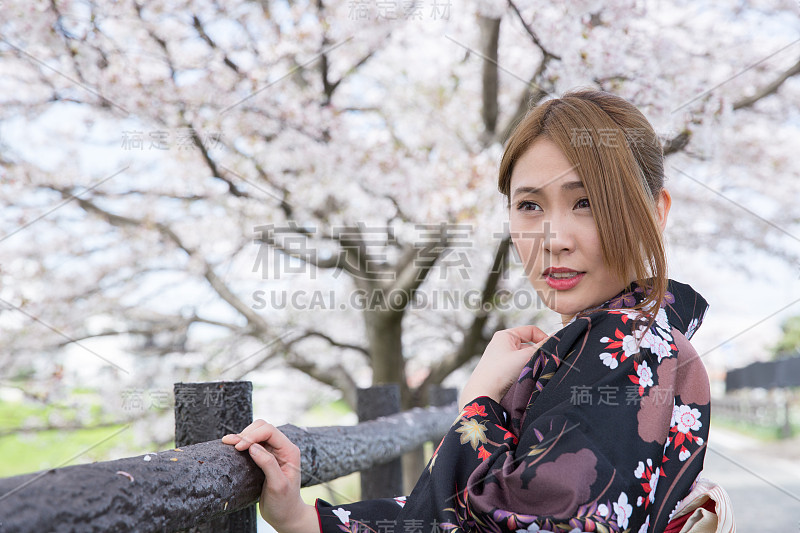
(383, 480)
(208, 411)
(439, 396)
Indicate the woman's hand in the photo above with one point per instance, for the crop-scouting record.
(279, 458)
(502, 362)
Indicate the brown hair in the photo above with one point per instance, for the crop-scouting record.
(620, 161)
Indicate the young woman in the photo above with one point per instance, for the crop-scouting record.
(599, 427)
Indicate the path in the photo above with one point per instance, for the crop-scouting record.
(762, 479)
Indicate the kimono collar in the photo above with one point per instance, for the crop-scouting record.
(685, 308)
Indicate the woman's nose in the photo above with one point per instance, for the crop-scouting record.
(558, 237)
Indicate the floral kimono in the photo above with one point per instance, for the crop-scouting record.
(604, 430)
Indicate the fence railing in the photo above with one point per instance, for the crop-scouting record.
(764, 412)
(195, 485)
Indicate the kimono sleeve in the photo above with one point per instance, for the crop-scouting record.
(369, 515)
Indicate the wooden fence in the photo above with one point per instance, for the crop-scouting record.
(202, 484)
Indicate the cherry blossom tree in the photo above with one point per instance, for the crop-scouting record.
(173, 171)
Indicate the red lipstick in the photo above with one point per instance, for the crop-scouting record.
(562, 278)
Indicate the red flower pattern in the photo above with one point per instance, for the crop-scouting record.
(483, 454)
(473, 410)
(508, 434)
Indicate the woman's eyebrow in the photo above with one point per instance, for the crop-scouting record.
(567, 186)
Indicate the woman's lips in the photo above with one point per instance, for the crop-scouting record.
(566, 280)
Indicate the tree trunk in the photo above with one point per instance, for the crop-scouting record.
(384, 334)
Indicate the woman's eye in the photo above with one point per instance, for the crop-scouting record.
(583, 203)
(527, 205)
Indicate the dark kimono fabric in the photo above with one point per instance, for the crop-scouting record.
(597, 434)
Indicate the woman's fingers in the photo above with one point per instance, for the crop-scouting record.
(258, 431)
(528, 334)
(245, 436)
(231, 438)
(279, 458)
(266, 462)
(279, 444)
(271, 439)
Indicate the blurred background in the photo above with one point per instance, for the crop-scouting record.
(303, 195)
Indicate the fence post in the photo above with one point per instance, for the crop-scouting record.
(439, 396)
(442, 396)
(208, 411)
(384, 480)
(786, 428)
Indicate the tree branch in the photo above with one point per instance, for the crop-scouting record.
(534, 37)
(335, 376)
(158, 324)
(202, 32)
(333, 342)
(414, 268)
(677, 143)
(768, 89)
(304, 255)
(329, 86)
(212, 165)
(490, 36)
(474, 340)
(528, 98)
(255, 321)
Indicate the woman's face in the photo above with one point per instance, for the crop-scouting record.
(553, 230)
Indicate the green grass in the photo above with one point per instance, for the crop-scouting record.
(327, 414)
(25, 452)
(29, 452)
(14, 414)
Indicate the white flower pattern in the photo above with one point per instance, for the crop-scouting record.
(686, 418)
(645, 375)
(343, 516)
(629, 344)
(609, 360)
(654, 483)
(623, 510)
(661, 319)
(660, 347)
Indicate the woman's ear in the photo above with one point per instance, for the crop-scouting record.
(663, 204)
